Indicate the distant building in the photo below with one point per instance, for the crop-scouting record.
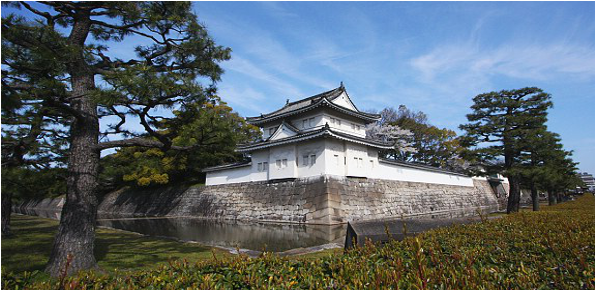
(324, 134)
(588, 180)
(315, 164)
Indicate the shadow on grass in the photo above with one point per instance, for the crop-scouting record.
(129, 251)
(29, 247)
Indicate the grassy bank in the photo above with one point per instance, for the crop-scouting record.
(29, 247)
(551, 249)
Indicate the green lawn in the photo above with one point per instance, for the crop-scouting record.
(29, 247)
(550, 249)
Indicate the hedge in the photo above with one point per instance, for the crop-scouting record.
(550, 249)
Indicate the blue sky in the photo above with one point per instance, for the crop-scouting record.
(430, 56)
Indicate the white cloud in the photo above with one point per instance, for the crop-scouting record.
(531, 62)
(249, 69)
(246, 97)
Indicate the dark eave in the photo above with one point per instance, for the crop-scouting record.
(227, 166)
(323, 99)
(326, 131)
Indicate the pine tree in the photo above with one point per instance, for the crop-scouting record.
(540, 148)
(58, 63)
(559, 174)
(498, 123)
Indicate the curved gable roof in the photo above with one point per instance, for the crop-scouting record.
(325, 131)
(326, 98)
(284, 130)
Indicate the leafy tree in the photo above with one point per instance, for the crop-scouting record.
(498, 124)
(214, 127)
(57, 63)
(430, 145)
(390, 134)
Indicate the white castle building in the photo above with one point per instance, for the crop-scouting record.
(322, 135)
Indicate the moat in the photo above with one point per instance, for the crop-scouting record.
(254, 237)
(226, 234)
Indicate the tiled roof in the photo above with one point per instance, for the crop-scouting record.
(420, 166)
(227, 166)
(299, 106)
(325, 131)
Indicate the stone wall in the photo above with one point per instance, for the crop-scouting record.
(322, 199)
(368, 199)
(316, 200)
(49, 204)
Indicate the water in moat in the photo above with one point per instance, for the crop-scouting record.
(227, 234)
(254, 237)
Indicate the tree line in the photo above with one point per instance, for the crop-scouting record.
(66, 98)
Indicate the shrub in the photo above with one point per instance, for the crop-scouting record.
(551, 249)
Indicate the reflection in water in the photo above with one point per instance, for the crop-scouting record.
(244, 235)
(258, 236)
(253, 236)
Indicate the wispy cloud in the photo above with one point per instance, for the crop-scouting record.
(531, 62)
(252, 71)
(246, 98)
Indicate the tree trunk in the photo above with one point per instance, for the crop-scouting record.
(75, 242)
(551, 197)
(514, 196)
(6, 211)
(534, 197)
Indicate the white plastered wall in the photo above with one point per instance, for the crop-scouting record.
(345, 123)
(357, 160)
(309, 149)
(403, 173)
(287, 169)
(234, 175)
(317, 122)
(260, 156)
(328, 151)
(335, 157)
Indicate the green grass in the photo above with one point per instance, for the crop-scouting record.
(29, 247)
(549, 249)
